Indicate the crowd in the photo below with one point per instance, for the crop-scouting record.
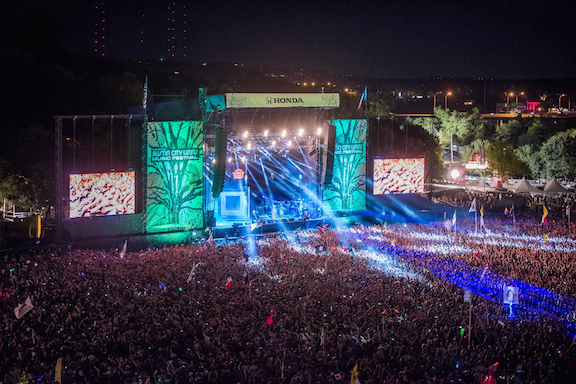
(289, 316)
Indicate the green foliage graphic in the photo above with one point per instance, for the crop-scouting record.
(347, 192)
(175, 190)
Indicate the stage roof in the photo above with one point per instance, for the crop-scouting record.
(272, 100)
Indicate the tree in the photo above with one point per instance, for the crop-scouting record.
(377, 105)
(531, 157)
(558, 155)
(501, 158)
(467, 151)
(510, 132)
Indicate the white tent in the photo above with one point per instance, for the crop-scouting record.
(523, 186)
(480, 186)
(553, 186)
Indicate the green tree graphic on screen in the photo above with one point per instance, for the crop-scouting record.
(347, 192)
(175, 190)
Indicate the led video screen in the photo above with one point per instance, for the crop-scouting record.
(398, 176)
(102, 194)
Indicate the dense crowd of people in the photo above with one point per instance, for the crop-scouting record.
(289, 315)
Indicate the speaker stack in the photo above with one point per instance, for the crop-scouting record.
(220, 166)
(330, 147)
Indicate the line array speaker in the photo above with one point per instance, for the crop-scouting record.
(330, 147)
(220, 166)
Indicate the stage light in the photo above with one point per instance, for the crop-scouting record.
(301, 132)
(319, 131)
(273, 142)
(289, 143)
(454, 173)
(266, 133)
(213, 161)
(243, 159)
(284, 133)
(245, 134)
(229, 159)
(249, 146)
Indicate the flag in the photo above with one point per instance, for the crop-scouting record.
(256, 225)
(123, 252)
(322, 229)
(482, 216)
(58, 375)
(306, 217)
(454, 219)
(488, 379)
(473, 206)
(482, 211)
(506, 210)
(545, 238)
(269, 320)
(229, 283)
(363, 98)
(23, 309)
(192, 272)
(484, 271)
(544, 215)
(321, 248)
(145, 98)
(477, 254)
(354, 377)
(211, 237)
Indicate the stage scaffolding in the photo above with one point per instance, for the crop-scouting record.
(61, 197)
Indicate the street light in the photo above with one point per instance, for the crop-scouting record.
(435, 99)
(560, 101)
(446, 100)
(521, 94)
(508, 98)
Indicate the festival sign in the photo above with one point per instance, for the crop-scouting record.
(174, 171)
(282, 100)
(347, 191)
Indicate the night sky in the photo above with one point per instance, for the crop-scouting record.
(400, 39)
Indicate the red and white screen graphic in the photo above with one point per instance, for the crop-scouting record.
(398, 176)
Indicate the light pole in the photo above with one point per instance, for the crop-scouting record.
(508, 98)
(521, 94)
(560, 101)
(446, 100)
(435, 99)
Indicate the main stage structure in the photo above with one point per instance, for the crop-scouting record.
(253, 160)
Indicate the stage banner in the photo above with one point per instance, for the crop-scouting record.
(282, 100)
(347, 191)
(174, 170)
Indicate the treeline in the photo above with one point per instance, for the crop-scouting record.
(534, 147)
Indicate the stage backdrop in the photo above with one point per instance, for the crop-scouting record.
(347, 192)
(174, 190)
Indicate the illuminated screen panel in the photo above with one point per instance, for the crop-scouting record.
(102, 194)
(398, 176)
